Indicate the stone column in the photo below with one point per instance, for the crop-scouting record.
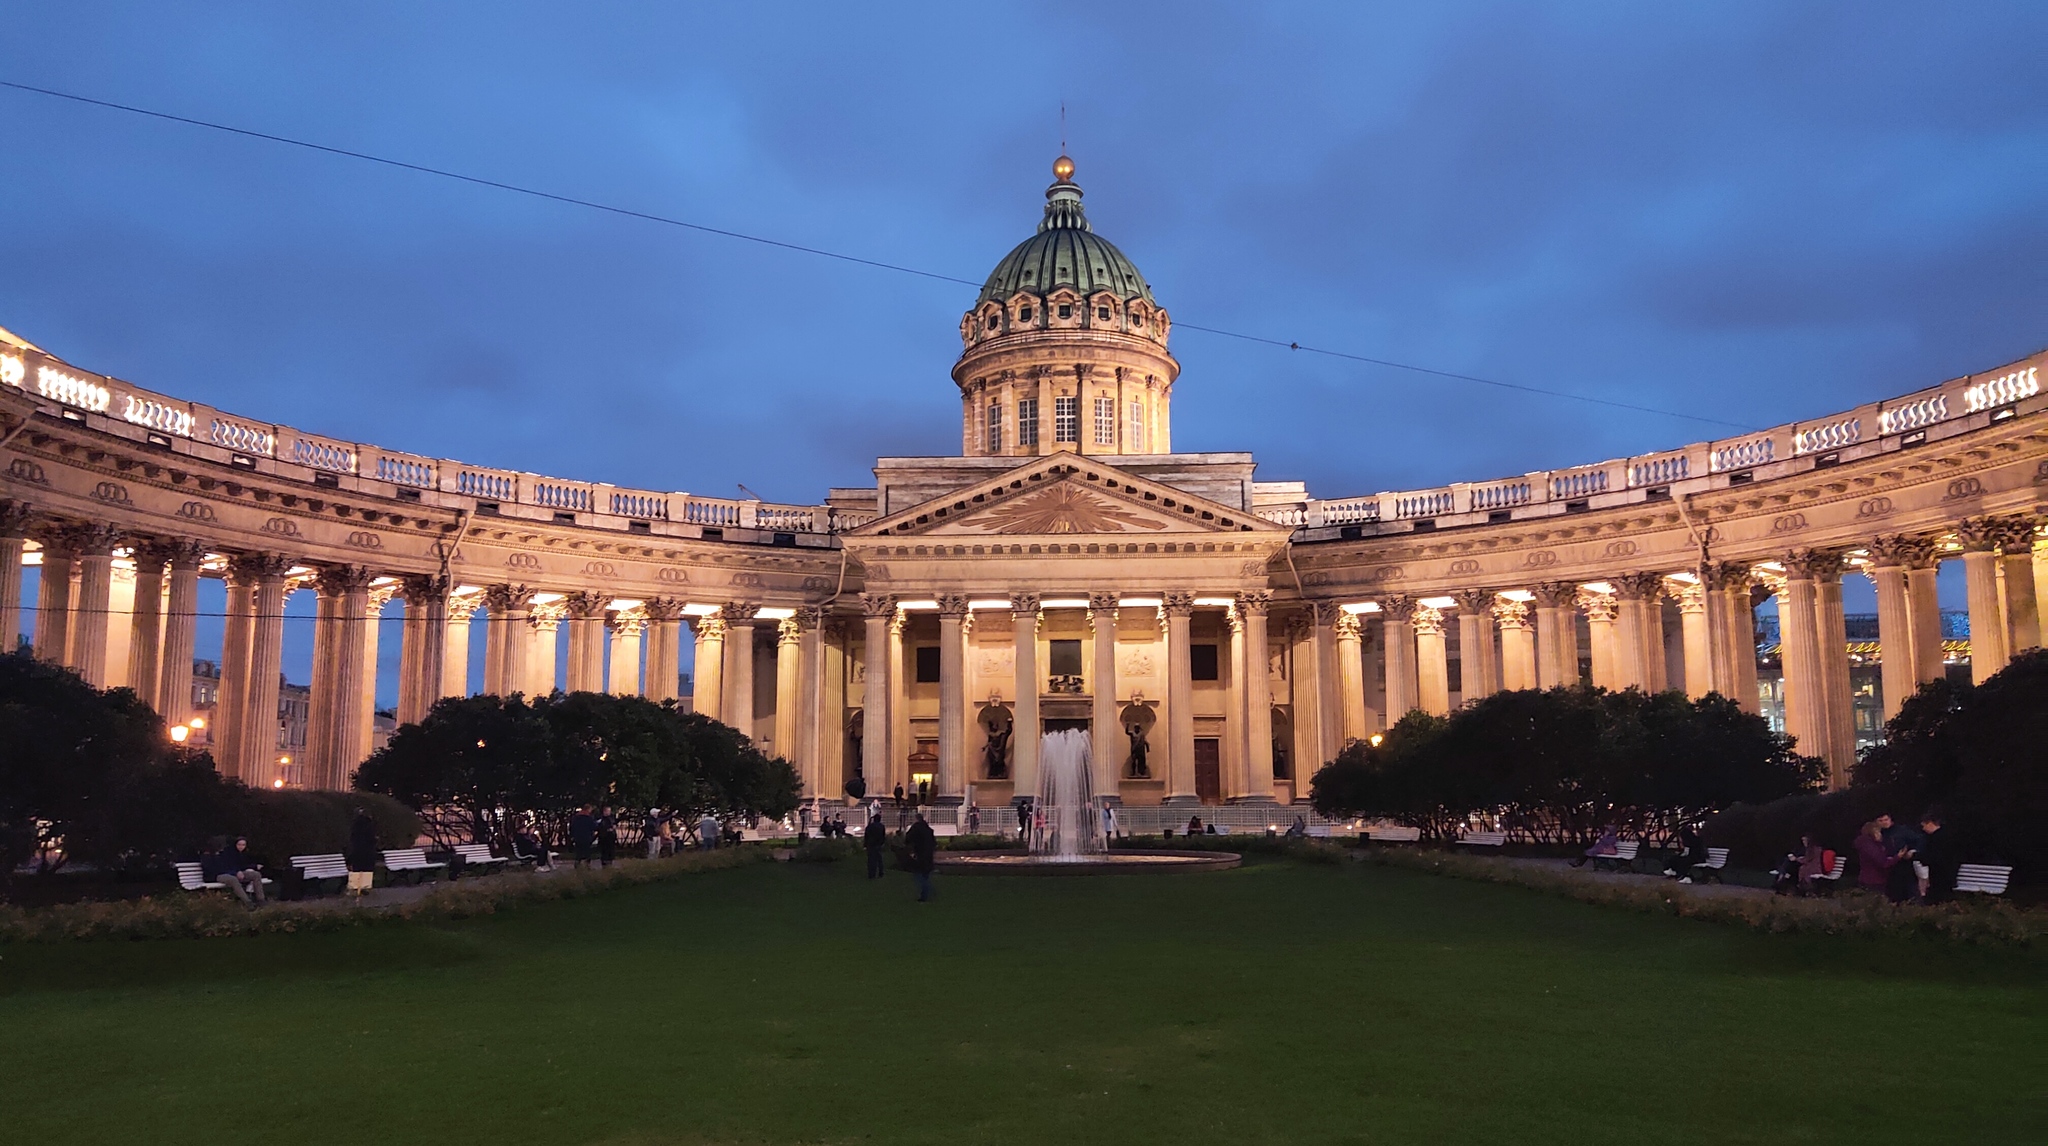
(833, 641)
(1887, 571)
(1923, 613)
(664, 649)
(2022, 606)
(1432, 662)
(1029, 731)
(1258, 697)
(586, 642)
(950, 783)
(811, 710)
(625, 627)
(1639, 631)
(1178, 607)
(1799, 651)
(1980, 537)
(423, 654)
(1234, 771)
(1351, 676)
(1602, 614)
(1478, 670)
(1404, 694)
(1735, 674)
(708, 686)
(1104, 731)
(462, 608)
(230, 703)
(1699, 639)
(544, 645)
(788, 682)
(334, 716)
(180, 632)
(736, 704)
(13, 543)
(1557, 634)
(505, 642)
(146, 622)
(258, 765)
(1831, 639)
(877, 610)
(375, 598)
(53, 597)
(1517, 644)
(94, 607)
(1329, 693)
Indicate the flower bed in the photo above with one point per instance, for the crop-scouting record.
(1992, 921)
(186, 915)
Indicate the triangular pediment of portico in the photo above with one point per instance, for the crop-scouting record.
(1067, 495)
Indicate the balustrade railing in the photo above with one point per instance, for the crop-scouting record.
(26, 369)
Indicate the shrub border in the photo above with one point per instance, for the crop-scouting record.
(191, 915)
(1996, 923)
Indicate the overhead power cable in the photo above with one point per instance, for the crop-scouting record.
(670, 221)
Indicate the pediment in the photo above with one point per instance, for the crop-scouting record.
(1067, 495)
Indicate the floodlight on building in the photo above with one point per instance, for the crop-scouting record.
(774, 614)
(1064, 603)
(991, 603)
(1438, 602)
(1216, 602)
(918, 606)
(1139, 602)
(1375, 739)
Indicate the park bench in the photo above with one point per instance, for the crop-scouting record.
(1623, 858)
(1484, 839)
(1319, 831)
(1988, 879)
(1393, 835)
(479, 856)
(412, 860)
(190, 880)
(1832, 878)
(316, 870)
(1717, 859)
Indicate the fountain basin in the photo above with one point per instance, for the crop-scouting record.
(1097, 863)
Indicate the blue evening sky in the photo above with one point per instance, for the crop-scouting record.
(1757, 212)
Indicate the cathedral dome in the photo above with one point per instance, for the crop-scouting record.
(1066, 252)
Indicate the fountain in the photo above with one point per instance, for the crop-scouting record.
(1066, 835)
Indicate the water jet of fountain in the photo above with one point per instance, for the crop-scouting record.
(1067, 821)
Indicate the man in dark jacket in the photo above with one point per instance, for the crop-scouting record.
(583, 834)
(876, 837)
(607, 836)
(362, 854)
(235, 869)
(1940, 855)
(924, 846)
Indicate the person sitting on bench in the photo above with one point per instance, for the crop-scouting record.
(1606, 847)
(235, 869)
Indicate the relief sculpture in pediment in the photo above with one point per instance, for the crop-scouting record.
(1064, 508)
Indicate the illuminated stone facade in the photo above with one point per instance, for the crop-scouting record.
(1219, 636)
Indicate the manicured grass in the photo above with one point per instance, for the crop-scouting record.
(798, 1003)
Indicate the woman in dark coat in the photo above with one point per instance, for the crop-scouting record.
(362, 854)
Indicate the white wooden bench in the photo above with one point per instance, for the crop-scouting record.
(413, 860)
(1987, 879)
(1319, 831)
(1717, 859)
(1394, 835)
(1484, 839)
(1624, 856)
(1833, 876)
(479, 856)
(190, 879)
(320, 868)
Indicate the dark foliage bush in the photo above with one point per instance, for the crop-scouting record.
(487, 756)
(1556, 765)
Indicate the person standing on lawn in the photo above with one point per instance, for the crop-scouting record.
(583, 833)
(876, 837)
(924, 847)
(362, 853)
(607, 837)
(1940, 857)
(707, 832)
(1873, 859)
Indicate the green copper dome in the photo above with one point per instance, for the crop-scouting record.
(1065, 252)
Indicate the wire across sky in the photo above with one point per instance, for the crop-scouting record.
(821, 252)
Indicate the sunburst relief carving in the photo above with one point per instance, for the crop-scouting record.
(1063, 509)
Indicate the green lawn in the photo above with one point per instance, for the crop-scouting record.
(799, 1003)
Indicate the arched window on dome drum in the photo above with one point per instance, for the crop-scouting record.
(995, 427)
(1027, 421)
(1134, 438)
(1105, 421)
(993, 320)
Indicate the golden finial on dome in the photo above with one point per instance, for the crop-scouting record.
(1063, 169)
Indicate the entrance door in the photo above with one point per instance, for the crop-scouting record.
(1209, 770)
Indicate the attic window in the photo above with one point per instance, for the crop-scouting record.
(993, 320)
(1102, 312)
(1024, 315)
(1066, 311)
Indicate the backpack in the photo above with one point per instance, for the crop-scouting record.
(1827, 860)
